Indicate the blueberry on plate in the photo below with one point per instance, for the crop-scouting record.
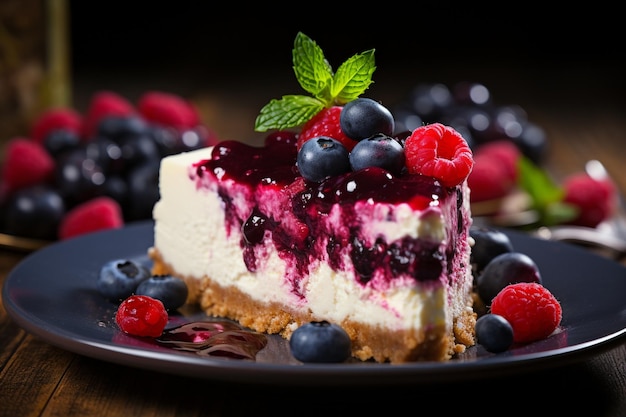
(320, 342)
(118, 279)
(494, 333)
(170, 290)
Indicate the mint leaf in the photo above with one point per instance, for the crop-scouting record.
(289, 111)
(536, 182)
(316, 77)
(558, 213)
(312, 70)
(353, 77)
(546, 195)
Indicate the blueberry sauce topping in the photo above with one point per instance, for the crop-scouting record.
(309, 205)
(214, 338)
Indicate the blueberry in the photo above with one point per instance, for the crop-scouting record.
(60, 140)
(143, 190)
(170, 290)
(494, 333)
(506, 268)
(320, 342)
(34, 212)
(118, 279)
(489, 243)
(379, 150)
(322, 157)
(364, 117)
(120, 128)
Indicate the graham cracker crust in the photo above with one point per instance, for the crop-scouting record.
(368, 342)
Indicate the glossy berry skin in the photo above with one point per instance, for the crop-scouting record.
(494, 333)
(171, 291)
(533, 311)
(322, 157)
(379, 150)
(506, 268)
(34, 212)
(364, 117)
(320, 342)
(118, 279)
(326, 123)
(140, 315)
(488, 243)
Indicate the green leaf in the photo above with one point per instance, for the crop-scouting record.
(558, 213)
(312, 70)
(536, 182)
(353, 77)
(316, 77)
(289, 111)
(546, 195)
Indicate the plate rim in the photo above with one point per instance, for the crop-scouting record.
(301, 374)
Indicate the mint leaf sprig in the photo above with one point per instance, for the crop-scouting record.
(545, 194)
(327, 88)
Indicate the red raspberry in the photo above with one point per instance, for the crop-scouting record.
(532, 310)
(96, 214)
(596, 199)
(26, 163)
(168, 110)
(140, 315)
(326, 123)
(439, 151)
(506, 153)
(103, 104)
(55, 119)
(489, 179)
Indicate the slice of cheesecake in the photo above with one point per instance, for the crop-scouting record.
(384, 256)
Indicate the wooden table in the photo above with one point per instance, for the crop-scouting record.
(583, 121)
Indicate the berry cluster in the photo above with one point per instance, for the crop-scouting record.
(509, 151)
(517, 307)
(144, 299)
(77, 173)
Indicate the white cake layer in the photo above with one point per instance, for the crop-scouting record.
(191, 236)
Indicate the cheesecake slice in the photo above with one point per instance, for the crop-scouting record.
(387, 257)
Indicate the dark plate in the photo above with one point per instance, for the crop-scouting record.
(52, 295)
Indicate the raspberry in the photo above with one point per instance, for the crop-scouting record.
(489, 179)
(439, 151)
(595, 199)
(531, 309)
(26, 163)
(326, 123)
(56, 119)
(506, 153)
(140, 315)
(96, 214)
(103, 104)
(168, 110)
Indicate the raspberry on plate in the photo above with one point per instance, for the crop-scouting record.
(532, 310)
(140, 315)
(439, 151)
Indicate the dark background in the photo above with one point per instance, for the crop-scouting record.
(569, 55)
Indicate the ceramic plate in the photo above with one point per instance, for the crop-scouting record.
(52, 294)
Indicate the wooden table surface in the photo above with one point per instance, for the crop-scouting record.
(583, 121)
